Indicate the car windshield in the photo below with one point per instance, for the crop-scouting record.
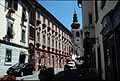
(17, 65)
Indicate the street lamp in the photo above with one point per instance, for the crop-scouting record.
(79, 2)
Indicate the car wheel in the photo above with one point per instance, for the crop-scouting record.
(22, 74)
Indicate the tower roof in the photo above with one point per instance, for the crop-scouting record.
(75, 24)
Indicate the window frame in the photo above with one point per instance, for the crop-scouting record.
(48, 40)
(77, 34)
(90, 15)
(23, 38)
(6, 56)
(10, 25)
(38, 36)
(11, 4)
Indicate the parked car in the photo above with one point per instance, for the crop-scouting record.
(21, 69)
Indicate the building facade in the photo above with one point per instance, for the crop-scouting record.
(13, 35)
(106, 21)
(51, 41)
(110, 38)
(89, 39)
(32, 34)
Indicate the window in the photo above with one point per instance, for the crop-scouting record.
(63, 61)
(77, 34)
(44, 38)
(56, 28)
(96, 11)
(10, 32)
(48, 59)
(23, 15)
(52, 26)
(52, 41)
(38, 15)
(56, 43)
(59, 29)
(11, 4)
(65, 48)
(23, 36)
(43, 59)
(8, 57)
(48, 40)
(38, 60)
(59, 45)
(43, 19)
(48, 22)
(53, 60)
(102, 3)
(38, 36)
(62, 45)
(90, 18)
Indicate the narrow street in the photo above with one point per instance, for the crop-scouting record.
(60, 40)
(29, 77)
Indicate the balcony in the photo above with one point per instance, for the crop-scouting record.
(48, 47)
(59, 34)
(59, 51)
(43, 26)
(48, 28)
(12, 10)
(52, 48)
(56, 32)
(56, 50)
(38, 22)
(37, 45)
(43, 46)
(53, 31)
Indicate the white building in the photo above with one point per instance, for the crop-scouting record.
(77, 40)
(13, 33)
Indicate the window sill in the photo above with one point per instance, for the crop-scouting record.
(7, 63)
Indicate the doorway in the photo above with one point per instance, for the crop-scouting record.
(22, 58)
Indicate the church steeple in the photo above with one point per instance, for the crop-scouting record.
(75, 16)
(75, 24)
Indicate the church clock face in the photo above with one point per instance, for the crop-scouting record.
(77, 40)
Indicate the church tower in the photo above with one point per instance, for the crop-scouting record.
(77, 40)
(76, 31)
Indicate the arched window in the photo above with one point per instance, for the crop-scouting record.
(77, 34)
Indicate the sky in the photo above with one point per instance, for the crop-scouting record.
(63, 10)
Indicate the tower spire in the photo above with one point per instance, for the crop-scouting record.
(74, 10)
(75, 24)
(75, 16)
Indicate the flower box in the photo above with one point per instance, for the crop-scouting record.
(12, 10)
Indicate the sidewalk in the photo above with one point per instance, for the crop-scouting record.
(29, 77)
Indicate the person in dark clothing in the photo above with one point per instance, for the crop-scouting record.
(42, 73)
